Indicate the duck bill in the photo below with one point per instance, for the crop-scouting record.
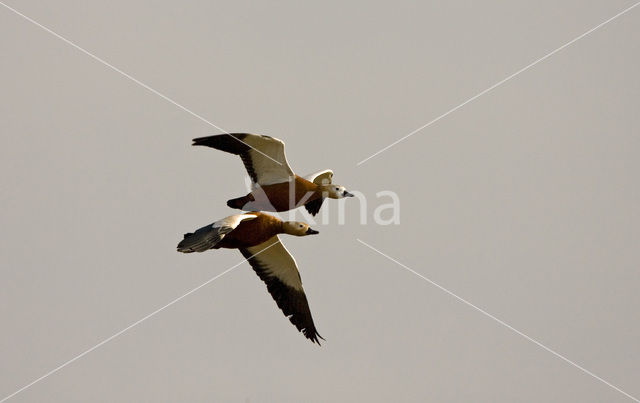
(312, 232)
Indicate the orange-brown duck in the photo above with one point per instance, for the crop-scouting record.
(275, 186)
(255, 234)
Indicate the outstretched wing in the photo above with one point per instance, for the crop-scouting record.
(263, 156)
(208, 236)
(276, 267)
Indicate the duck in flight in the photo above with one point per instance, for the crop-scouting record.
(255, 234)
(275, 186)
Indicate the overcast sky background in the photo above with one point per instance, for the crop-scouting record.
(526, 202)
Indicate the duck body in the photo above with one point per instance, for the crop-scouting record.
(279, 197)
(252, 232)
(275, 186)
(233, 232)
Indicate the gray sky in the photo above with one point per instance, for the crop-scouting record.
(525, 202)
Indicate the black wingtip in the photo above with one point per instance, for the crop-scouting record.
(315, 339)
(228, 142)
(313, 335)
(313, 207)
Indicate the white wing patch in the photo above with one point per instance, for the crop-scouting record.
(275, 266)
(321, 177)
(233, 221)
(272, 169)
(276, 261)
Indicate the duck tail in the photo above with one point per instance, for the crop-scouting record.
(239, 202)
(201, 240)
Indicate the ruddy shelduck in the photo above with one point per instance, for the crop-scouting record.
(275, 186)
(255, 234)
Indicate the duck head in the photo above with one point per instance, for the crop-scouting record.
(298, 228)
(335, 191)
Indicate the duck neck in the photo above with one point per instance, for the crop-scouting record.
(321, 191)
(280, 228)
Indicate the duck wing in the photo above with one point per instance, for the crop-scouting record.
(273, 263)
(314, 206)
(263, 156)
(208, 236)
(323, 177)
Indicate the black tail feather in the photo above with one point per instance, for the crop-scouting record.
(239, 202)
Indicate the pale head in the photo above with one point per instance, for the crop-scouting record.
(334, 191)
(297, 228)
